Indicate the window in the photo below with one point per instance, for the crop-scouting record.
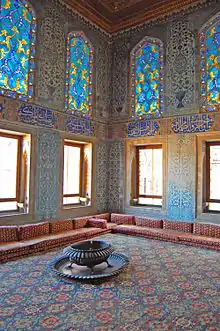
(212, 176)
(149, 181)
(14, 172)
(79, 75)
(209, 65)
(147, 86)
(17, 35)
(76, 173)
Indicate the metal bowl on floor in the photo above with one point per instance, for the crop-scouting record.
(89, 253)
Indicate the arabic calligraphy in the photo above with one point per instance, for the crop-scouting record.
(33, 115)
(142, 128)
(192, 124)
(80, 126)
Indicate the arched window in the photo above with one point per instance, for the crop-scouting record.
(147, 86)
(79, 74)
(17, 39)
(210, 64)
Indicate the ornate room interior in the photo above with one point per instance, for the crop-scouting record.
(109, 107)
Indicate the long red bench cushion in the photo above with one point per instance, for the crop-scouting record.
(33, 230)
(61, 226)
(146, 232)
(8, 233)
(143, 221)
(202, 240)
(178, 226)
(90, 232)
(97, 223)
(104, 216)
(122, 219)
(209, 230)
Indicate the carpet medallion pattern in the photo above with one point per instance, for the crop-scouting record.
(166, 286)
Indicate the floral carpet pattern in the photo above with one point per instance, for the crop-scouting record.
(166, 286)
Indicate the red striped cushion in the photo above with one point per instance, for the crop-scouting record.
(209, 230)
(80, 222)
(105, 216)
(30, 231)
(142, 221)
(61, 226)
(122, 219)
(178, 226)
(97, 223)
(8, 233)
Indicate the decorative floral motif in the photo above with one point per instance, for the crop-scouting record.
(147, 86)
(79, 70)
(209, 65)
(18, 33)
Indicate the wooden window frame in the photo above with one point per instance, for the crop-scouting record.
(81, 146)
(138, 148)
(18, 170)
(208, 145)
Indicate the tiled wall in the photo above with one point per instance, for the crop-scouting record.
(111, 125)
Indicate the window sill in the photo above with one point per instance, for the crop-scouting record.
(208, 217)
(146, 206)
(67, 207)
(12, 213)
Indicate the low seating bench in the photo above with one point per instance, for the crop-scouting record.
(20, 241)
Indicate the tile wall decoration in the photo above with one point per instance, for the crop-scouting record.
(47, 197)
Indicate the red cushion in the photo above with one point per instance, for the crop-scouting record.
(8, 233)
(178, 226)
(209, 230)
(97, 223)
(105, 216)
(142, 221)
(61, 226)
(80, 222)
(33, 230)
(122, 219)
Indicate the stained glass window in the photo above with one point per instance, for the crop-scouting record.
(210, 65)
(147, 79)
(17, 39)
(79, 69)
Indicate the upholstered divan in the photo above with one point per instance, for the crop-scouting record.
(19, 241)
(194, 234)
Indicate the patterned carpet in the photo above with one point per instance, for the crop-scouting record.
(166, 287)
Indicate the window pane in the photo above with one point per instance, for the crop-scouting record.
(150, 171)
(214, 206)
(71, 170)
(8, 167)
(7, 206)
(149, 201)
(214, 172)
(71, 200)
